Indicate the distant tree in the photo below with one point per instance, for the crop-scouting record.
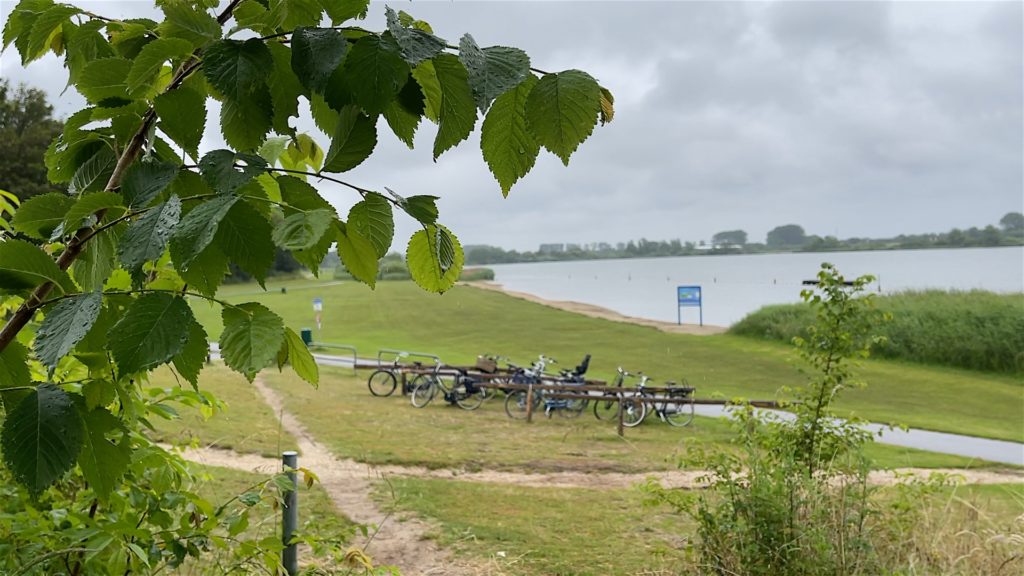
(1012, 222)
(991, 236)
(788, 235)
(730, 238)
(27, 127)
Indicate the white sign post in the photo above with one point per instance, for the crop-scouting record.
(318, 307)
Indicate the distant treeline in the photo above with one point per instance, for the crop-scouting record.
(787, 238)
(393, 267)
(977, 330)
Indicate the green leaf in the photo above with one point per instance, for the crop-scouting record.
(426, 77)
(423, 208)
(251, 338)
(151, 332)
(65, 325)
(302, 13)
(303, 230)
(103, 462)
(325, 117)
(39, 216)
(301, 196)
(89, 204)
(43, 28)
(358, 255)
(414, 45)
(300, 358)
(105, 79)
(316, 53)
(94, 173)
(244, 237)
(98, 261)
(182, 21)
(354, 141)
(189, 362)
(285, 89)
(245, 123)
(509, 148)
(227, 171)
(147, 237)
(206, 271)
(19, 23)
(237, 68)
(41, 437)
(374, 220)
(182, 114)
(374, 72)
(24, 266)
(435, 258)
(151, 59)
(402, 122)
(197, 229)
(341, 10)
(145, 180)
(14, 373)
(562, 110)
(493, 70)
(457, 112)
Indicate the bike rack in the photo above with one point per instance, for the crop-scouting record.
(355, 358)
(404, 354)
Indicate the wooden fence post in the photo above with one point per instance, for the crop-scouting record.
(529, 403)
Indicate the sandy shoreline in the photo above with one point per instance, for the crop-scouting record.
(603, 313)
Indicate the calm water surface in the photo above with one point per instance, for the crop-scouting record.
(734, 286)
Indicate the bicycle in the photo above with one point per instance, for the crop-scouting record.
(382, 381)
(609, 409)
(464, 391)
(637, 407)
(516, 401)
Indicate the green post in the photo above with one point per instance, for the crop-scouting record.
(307, 336)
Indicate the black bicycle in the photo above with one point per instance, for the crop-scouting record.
(678, 412)
(464, 390)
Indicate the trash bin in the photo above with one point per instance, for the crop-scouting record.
(307, 336)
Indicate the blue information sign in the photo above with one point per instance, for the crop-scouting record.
(689, 296)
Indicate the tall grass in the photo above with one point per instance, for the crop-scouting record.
(977, 330)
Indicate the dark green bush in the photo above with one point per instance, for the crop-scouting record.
(977, 330)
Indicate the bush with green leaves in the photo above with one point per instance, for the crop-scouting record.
(97, 280)
(792, 496)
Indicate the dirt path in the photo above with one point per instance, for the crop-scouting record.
(603, 313)
(401, 543)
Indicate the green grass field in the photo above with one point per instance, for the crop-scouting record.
(469, 321)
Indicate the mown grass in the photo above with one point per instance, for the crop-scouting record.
(467, 321)
(531, 531)
(354, 424)
(246, 424)
(976, 330)
(564, 531)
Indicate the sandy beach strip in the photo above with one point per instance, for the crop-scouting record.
(599, 312)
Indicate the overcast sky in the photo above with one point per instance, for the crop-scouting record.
(848, 118)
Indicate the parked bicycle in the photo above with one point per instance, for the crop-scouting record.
(516, 401)
(609, 409)
(464, 391)
(644, 402)
(382, 381)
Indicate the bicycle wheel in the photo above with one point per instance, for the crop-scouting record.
(634, 411)
(424, 390)
(679, 414)
(574, 407)
(382, 383)
(606, 410)
(515, 404)
(468, 396)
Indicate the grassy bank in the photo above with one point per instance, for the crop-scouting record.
(532, 531)
(468, 321)
(976, 330)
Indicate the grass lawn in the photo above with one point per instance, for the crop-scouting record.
(468, 321)
(354, 424)
(521, 530)
(534, 531)
(246, 424)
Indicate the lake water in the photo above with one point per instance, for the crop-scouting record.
(736, 285)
